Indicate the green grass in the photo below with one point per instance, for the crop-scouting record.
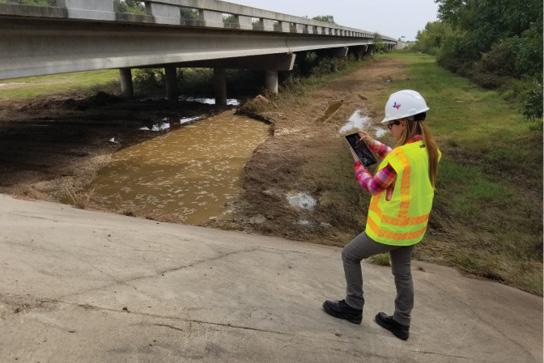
(85, 83)
(488, 206)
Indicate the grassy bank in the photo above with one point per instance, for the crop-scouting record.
(487, 217)
(86, 83)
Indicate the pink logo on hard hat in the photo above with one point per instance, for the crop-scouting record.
(395, 105)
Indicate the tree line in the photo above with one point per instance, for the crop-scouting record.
(497, 43)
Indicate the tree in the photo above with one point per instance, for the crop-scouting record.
(497, 43)
(188, 14)
(325, 18)
(432, 38)
(485, 22)
(30, 2)
(128, 6)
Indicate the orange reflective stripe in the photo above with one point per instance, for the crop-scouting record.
(407, 236)
(408, 221)
(405, 221)
(374, 202)
(405, 185)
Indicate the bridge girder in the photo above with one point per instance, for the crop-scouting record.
(30, 47)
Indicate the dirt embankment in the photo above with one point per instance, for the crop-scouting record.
(54, 146)
(308, 155)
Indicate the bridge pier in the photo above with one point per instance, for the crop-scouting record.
(171, 83)
(127, 88)
(220, 86)
(271, 81)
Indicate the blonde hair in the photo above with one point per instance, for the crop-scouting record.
(413, 128)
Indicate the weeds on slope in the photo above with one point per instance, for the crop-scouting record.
(487, 215)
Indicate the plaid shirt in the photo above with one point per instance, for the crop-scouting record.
(386, 177)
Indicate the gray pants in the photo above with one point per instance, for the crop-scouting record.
(362, 247)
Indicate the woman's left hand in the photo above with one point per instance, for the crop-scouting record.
(355, 158)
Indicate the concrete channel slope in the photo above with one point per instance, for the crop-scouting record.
(82, 286)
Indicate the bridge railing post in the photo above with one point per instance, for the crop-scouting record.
(268, 24)
(83, 9)
(163, 13)
(282, 26)
(210, 18)
(244, 22)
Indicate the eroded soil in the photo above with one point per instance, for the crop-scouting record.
(52, 147)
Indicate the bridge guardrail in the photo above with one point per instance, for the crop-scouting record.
(210, 14)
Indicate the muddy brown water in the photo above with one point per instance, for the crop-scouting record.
(190, 173)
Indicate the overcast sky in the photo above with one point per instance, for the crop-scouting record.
(394, 18)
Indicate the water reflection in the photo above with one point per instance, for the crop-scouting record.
(210, 101)
(188, 173)
(157, 127)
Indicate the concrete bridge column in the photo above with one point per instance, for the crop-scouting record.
(271, 81)
(171, 82)
(220, 85)
(126, 82)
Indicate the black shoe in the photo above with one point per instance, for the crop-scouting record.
(387, 322)
(341, 310)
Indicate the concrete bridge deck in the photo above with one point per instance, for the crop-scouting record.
(80, 35)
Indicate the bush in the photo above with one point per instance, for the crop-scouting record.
(532, 107)
(148, 80)
(500, 60)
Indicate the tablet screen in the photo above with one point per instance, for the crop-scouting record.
(361, 149)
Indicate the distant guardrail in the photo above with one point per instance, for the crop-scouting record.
(211, 14)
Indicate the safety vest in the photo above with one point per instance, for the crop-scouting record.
(402, 221)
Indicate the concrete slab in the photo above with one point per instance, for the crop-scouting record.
(83, 286)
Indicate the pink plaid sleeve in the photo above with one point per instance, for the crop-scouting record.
(384, 179)
(380, 149)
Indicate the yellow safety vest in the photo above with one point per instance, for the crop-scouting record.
(402, 221)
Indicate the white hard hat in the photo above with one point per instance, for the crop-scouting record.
(403, 104)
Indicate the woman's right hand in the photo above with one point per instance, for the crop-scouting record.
(365, 136)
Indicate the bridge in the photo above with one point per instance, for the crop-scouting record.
(82, 35)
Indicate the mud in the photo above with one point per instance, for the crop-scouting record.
(52, 147)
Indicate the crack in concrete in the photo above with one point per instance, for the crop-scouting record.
(226, 325)
(155, 316)
(436, 353)
(159, 273)
(169, 327)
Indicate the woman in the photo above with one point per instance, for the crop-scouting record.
(402, 193)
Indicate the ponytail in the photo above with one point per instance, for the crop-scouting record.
(420, 128)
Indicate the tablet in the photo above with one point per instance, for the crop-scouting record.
(361, 149)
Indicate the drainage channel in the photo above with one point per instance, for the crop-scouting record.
(184, 175)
